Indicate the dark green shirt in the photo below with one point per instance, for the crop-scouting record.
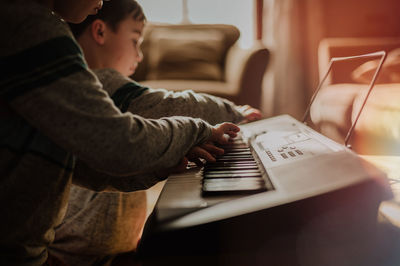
(52, 106)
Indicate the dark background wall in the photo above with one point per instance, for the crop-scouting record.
(298, 26)
(361, 18)
(345, 18)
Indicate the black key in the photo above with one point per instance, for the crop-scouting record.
(235, 156)
(223, 168)
(231, 172)
(235, 159)
(238, 153)
(237, 149)
(214, 176)
(234, 163)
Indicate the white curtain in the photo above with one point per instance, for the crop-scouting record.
(285, 84)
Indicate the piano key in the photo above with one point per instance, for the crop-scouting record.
(231, 161)
(233, 156)
(242, 167)
(234, 180)
(233, 185)
(232, 172)
(236, 171)
(234, 163)
(243, 175)
(238, 153)
(236, 149)
(233, 145)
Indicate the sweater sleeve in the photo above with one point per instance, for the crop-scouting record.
(157, 103)
(84, 176)
(49, 85)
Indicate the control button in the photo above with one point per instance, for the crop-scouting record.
(280, 150)
(292, 147)
(270, 155)
(284, 155)
(298, 137)
(284, 147)
(291, 154)
(299, 152)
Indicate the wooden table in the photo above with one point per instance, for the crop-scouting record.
(391, 166)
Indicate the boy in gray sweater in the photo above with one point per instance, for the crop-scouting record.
(54, 110)
(101, 224)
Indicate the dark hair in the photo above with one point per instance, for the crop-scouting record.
(113, 12)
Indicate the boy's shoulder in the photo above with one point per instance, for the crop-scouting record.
(112, 80)
(25, 24)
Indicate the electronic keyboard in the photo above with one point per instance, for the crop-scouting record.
(300, 181)
(282, 194)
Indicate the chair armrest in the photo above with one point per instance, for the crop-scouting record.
(244, 70)
(337, 47)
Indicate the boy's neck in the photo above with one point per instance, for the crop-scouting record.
(90, 51)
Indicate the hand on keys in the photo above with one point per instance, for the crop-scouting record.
(221, 134)
(250, 114)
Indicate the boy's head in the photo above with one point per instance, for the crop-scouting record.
(112, 37)
(74, 11)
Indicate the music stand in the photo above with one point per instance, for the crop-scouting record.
(382, 54)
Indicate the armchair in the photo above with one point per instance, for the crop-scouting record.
(204, 58)
(336, 106)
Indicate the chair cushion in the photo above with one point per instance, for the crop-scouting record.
(190, 51)
(390, 72)
(185, 54)
(333, 107)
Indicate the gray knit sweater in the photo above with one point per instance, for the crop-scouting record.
(157, 103)
(52, 106)
(99, 225)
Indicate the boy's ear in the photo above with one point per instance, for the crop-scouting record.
(98, 31)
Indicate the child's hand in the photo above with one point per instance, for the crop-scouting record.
(206, 151)
(221, 134)
(224, 133)
(250, 114)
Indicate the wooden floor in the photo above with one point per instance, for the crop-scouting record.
(130, 259)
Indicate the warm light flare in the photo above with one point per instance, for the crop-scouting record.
(378, 128)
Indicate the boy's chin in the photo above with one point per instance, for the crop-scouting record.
(130, 72)
(125, 71)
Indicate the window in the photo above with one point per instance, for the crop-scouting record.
(236, 12)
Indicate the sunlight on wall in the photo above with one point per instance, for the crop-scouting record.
(166, 11)
(236, 12)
